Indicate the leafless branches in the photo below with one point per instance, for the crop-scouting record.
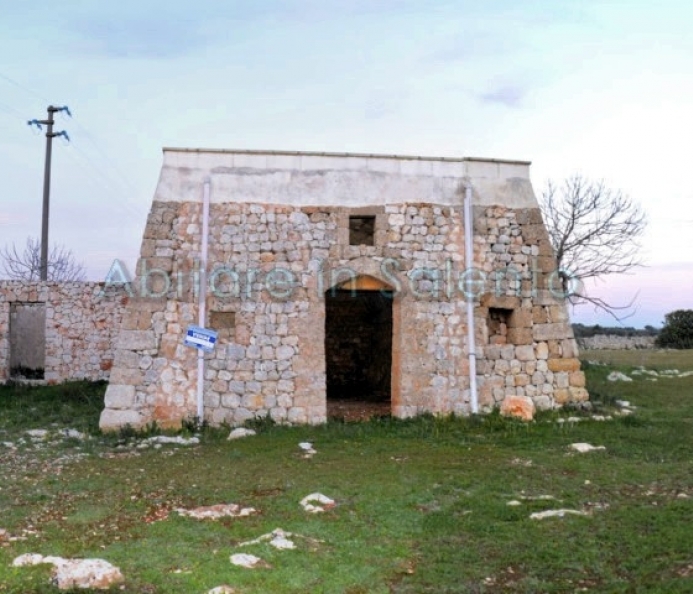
(595, 231)
(26, 264)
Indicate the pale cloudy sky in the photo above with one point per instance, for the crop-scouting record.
(596, 87)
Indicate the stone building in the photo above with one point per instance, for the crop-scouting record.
(333, 277)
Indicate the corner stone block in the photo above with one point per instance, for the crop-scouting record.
(112, 420)
(119, 397)
(556, 365)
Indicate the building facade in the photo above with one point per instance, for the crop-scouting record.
(340, 277)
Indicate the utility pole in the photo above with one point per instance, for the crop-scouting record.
(49, 121)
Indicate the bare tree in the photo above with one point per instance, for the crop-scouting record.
(26, 264)
(595, 231)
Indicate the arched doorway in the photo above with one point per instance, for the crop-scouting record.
(358, 348)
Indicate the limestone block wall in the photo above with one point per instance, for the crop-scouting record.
(615, 342)
(280, 237)
(82, 320)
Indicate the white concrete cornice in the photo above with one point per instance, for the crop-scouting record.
(340, 179)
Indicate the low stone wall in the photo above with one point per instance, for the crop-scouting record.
(82, 320)
(614, 342)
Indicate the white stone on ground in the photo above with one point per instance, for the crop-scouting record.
(37, 433)
(617, 376)
(240, 432)
(323, 501)
(514, 503)
(73, 433)
(178, 440)
(556, 513)
(222, 590)
(583, 448)
(308, 450)
(221, 510)
(247, 561)
(75, 573)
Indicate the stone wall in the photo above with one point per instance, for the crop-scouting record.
(82, 321)
(614, 342)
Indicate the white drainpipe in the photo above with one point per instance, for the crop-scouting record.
(202, 299)
(469, 263)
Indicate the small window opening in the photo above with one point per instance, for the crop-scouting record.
(361, 230)
(498, 325)
(224, 322)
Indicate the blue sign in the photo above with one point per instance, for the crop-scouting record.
(200, 338)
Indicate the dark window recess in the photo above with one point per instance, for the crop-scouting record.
(361, 230)
(224, 322)
(498, 325)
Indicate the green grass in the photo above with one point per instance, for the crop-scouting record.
(421, 504)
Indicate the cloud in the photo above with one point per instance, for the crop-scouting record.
(510, 96)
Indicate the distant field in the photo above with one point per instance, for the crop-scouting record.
(652, 358)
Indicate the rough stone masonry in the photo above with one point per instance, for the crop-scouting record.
(292, 236)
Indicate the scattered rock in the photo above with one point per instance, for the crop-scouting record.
(222, 590)
(556, 513)
(75, 573)
(248, 561)
(538, 497)
(240, 432)
(86, 573)
(168, 439)
(27, 559)
(617, 376)
(622, 403)
(307, 448)
(601, 417)
(221, 510)
(73, 434)
(9, 444)
(583, 448)
(278, 538)
(3, 535)
(514, 503)
(324, 501)
(521, 407)
(37, 433)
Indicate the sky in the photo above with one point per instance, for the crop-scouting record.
(597, 88)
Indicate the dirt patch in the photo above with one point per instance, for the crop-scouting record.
(357, 410)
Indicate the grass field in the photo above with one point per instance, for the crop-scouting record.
(421, 505)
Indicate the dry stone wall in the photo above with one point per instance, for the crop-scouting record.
(269, 267)
(615, 342)
(82, 320)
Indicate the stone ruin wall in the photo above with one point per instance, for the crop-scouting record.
(270, 357)
(82, 321)
(615, 342)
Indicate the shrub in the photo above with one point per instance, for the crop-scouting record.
(677, 332)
